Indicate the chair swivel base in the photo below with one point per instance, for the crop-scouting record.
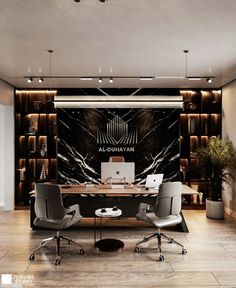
(109, 245)
(57, 238)
(158, 235)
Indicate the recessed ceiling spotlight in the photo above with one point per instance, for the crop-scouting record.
(111, 80)
(30, 80)
(40, 80)
(100, 80)
(209, 80)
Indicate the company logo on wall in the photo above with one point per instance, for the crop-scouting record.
(117, 133)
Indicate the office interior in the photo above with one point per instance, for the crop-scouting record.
(96, 97)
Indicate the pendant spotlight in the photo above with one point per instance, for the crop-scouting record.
(100, 80)
(194, 78)
(111, 80)
(30, 80)
(40, 80)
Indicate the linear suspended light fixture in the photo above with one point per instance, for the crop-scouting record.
(112, 78)
(159, 101)
(89, 78)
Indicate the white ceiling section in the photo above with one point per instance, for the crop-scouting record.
(118, 38)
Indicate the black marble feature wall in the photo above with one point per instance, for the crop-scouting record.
(87, 137)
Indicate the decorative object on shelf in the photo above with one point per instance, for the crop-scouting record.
(43, 150)
(183, 172)
(194, 198)
(31, 153)
(43, 173)
(194, 187)
(219, 162)
(22, 174)
(37, 105)
(31, 127)
(200, 197)
(191, 106)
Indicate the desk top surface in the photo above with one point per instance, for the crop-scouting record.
(106, 189)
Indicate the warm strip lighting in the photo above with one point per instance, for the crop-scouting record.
(36, 91)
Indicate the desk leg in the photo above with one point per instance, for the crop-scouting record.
(182, 227)
(100, 228)
(95, 230)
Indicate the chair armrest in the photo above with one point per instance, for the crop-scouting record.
(145, 208)
(72, 209)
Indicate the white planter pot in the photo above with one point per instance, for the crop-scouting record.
(215, 209)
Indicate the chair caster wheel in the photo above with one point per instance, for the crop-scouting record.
(57, 262)
(184, 251)
(161, 258)
(81, 251)
(137, 249)
(31, 257)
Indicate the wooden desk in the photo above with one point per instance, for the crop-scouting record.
(127, 199)
(136, 191)
(127, 191)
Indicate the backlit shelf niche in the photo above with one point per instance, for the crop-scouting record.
(36, 141)
(200, 120)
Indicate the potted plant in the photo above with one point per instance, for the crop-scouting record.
(219, 161)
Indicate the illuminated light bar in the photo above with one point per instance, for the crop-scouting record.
(118, 101)
(194, 78)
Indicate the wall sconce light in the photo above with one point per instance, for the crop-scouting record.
(30, 80)
(100, 80)
(111, 80)
(209, 80)
(40, 80)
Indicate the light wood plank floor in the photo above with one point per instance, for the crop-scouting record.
(210, 262)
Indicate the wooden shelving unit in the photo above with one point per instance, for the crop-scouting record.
(35, 141)
(200, 120)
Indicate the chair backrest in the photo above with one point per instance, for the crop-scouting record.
(116, 159)
(169, 199)
(48, 202)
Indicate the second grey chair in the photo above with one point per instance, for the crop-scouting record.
(165, 213)
(51, 214)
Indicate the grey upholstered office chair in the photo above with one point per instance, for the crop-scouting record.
(51, 214)
(165, 213)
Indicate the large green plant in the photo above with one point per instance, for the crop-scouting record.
(219, 162)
